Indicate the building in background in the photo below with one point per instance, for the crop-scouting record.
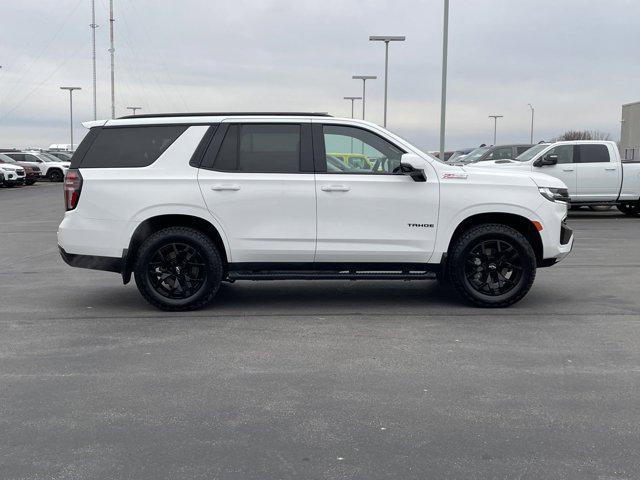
(630, 131)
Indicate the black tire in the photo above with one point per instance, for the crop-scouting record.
(483, 254)
(600, 208)
(630, 208)
(30, 182)
(161, 269)
(55, 175)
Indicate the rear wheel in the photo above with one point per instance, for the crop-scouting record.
(492, 265)
(55, 175)
(178, 268)
(630, 208)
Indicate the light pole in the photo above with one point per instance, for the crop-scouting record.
(133, 109)
(71, 89)
(532, 112)
(495, 125)
(93, 26)
(112, 52)
(364, 79)
(443, 95)
(386, 40)
(352, 100)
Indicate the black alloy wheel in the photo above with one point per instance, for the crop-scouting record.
(178, 268)
(493, 267)
(55, 176)
(176, 271)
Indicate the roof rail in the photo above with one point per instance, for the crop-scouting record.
(227, 114)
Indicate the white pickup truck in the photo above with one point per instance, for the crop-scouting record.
(593, 171)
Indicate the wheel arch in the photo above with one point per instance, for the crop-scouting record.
(158, 222)
(518, 222)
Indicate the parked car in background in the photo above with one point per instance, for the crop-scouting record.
(32, 172)
(460, 154)
(13, 174)
(64, 156)
(354, 160)
(50, 167)
(592, 170)
(447, 155)
(495, 152)
(258, 198)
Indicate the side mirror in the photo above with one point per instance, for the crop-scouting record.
(413, 166)
(549, 159)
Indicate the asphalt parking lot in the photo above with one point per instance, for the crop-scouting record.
(317, 380)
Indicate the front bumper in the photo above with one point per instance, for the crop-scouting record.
(557, 237)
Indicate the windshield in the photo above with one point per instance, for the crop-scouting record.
(474, 155)
(532, 152)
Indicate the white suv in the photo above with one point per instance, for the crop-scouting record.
(50, 167)
(187, 201)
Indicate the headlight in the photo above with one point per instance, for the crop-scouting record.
(555, 194)
(7, 169)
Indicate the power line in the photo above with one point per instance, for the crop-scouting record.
(39, 85)
(19, 82)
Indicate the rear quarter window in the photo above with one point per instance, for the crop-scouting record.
(125, 147)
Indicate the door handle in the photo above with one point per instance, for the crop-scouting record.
(335, 188)
(567, 169)
(610, 168)
(219, 188)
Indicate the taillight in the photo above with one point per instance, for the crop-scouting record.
(72, 188)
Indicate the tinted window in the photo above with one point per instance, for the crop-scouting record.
(500, 154)
(593, 153)
(18, 157)
(564, 152)
(124, 147)
(260, 148)
(522, 149)
(358, 151)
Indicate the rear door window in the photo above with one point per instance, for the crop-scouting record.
(129, 147)
(260, 148)
(593, 153)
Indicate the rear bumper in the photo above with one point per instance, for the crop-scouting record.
(92, 262)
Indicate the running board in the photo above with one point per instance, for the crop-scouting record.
(324, 275)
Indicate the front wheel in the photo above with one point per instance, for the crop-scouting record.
(178, 268)
(492, 265)
(630, 208)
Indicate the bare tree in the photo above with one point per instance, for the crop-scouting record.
(582, 135)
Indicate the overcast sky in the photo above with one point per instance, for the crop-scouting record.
(576, 61)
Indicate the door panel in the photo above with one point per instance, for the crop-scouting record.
(267, 214)
(376, 218)
(366, 213)
(598, 177)
(564, 170)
